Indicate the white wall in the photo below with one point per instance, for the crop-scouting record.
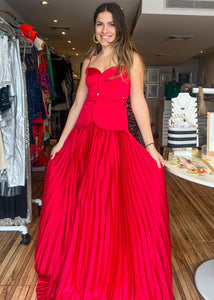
(206, 70)
(158, 7)
(190, 65)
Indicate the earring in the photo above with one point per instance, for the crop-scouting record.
(94, 39)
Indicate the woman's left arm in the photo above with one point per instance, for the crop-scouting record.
(140, 107)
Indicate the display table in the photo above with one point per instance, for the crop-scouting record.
(197, 170)
(206, 178)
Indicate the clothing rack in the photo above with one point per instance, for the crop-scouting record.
(9, 30)
(24, 44)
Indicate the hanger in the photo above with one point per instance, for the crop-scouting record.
(7, 28)
(7, 31)
(26, 45)
(23, 41)
(7, 12)
(15, 21)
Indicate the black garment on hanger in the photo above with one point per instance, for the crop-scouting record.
(16, 206)
(4, 99)
(60, 70)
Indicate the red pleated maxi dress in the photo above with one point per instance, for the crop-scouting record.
(104, 226)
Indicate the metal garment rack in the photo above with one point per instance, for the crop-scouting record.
(26, 238)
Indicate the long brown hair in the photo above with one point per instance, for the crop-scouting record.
(123, 45)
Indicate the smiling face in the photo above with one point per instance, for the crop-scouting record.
(105, 29)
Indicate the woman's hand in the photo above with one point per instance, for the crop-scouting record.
(56, 149)
(155, 155)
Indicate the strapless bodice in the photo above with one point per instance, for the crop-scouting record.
(105, 104)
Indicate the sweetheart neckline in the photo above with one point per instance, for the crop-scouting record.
(101, 71)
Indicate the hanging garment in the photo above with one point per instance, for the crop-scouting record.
(50, 73)
(69, 84)
(133, 127)
(44, 81)
(60, 70)
(3, 163)
(104, 226)
(13, 206)
(34, 94)
(65, 90)
(38, 158)
(16, 202)
(6, 191)
(28, 31)
(5, 70)
(13, 129)
(39, 43)
(27, 148)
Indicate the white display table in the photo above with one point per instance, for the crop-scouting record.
(204, 179)
(204, 276)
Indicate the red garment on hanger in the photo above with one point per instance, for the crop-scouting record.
(28, 31)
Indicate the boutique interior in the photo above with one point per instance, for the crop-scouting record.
(51, 42)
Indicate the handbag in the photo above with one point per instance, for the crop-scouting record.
(202, 109)
(181, 136)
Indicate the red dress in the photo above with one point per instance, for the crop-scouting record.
(104, 226)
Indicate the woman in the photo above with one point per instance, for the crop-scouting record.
(104, 227)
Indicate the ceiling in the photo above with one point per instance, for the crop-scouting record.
(150, 33)
(76, 14)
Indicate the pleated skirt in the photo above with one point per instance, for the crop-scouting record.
(104, 226)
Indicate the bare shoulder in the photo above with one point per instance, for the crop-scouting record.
(137, 70)
(84, 67)
(85, 63)
(137, 77)
(137, 61)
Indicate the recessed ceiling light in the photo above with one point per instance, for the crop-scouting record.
(69, 42)
(77, 53)
(73, 48)
(44, 2)
(201, 51)
(55, 21)
(63, 33)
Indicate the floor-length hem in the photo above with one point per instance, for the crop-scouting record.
(104, 227)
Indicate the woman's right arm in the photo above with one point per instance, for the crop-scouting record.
(75, 110)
